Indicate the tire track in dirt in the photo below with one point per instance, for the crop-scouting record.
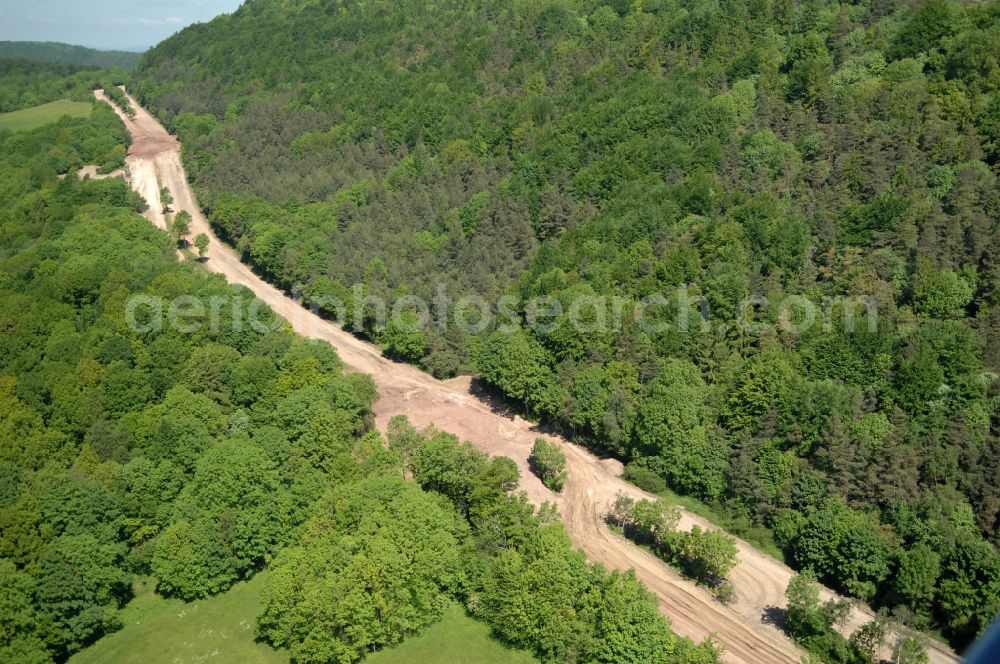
(759, 580)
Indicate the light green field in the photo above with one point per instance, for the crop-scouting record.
(168, 631)
(36, 116)
(221, 630)
(454, 638)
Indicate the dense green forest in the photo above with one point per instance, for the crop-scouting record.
(349, 587)
(24, 84)
(194, 453)
(706, 150)
(69, 54)
(127, 453)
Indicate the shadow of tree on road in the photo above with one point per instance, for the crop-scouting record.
(775, 615)
(494, 398)
(502, 406)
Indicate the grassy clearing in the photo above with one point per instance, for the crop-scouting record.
(36, 116)
(169, 631)
(454, 638)
(221, 630)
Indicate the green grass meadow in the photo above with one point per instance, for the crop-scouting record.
(454, 638)
(37, 116)
(221, 630)
(164, 631)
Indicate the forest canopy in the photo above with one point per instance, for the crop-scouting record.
(163, 453)
(819, 150)
(192, 456)
(69, 54)
(24, 83)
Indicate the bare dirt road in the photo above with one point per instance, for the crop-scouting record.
(741, 628)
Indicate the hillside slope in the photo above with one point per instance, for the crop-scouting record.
(68, 54)
(843, 156)
(24, 83)
(135, 446)
(454, 408)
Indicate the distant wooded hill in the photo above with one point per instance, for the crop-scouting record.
(69, 54)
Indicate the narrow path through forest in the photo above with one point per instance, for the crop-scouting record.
(743, 627)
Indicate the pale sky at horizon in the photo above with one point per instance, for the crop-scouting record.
(107, 24)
